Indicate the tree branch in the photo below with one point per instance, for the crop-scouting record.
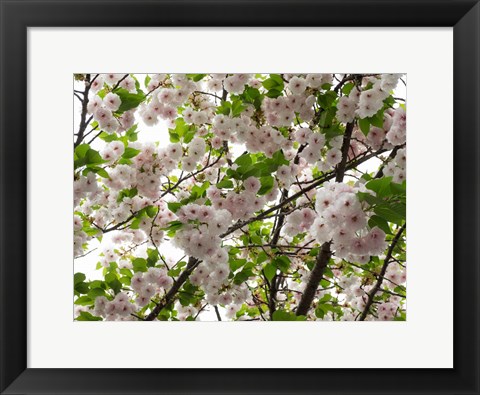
(315, 277)
(119, 82)
(378, 284)
(323, 256)
(83, 117)
(170, 296)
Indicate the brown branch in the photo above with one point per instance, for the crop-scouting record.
(171, 294)
(315, 277)
(390, 157)
(217, 313)
(273, 241)
(83, 117)
(341, 167)
(379, 282)
(323, 256)
(210, 94)
(117, 226)
(119, 82)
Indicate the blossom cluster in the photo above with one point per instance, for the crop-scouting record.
(342, 220)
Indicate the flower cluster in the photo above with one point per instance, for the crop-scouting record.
(118, 309)
(240, 205)
(146, 285)
(397, 167)
(342, 220)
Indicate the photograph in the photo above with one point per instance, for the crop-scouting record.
(239, 197)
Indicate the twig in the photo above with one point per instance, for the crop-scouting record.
(217, 313)
(170, 295)
(378, 284)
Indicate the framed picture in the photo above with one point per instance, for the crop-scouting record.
(249, 129)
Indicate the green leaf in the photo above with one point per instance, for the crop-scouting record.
(275, 82)
(126, 272)
(93, 157)
(381, 186)
(86, 316)
(236, 264)
(282, 315)
(123, 161)
(273, 93)
(244, 160)
(266, 185)
(243, 276)
(270, 270)
(391, 214)
(225, 183)
(277, 78)
(115, 285)
(147, 80)
(224, 108)
(90, 157)
(196, 77)
(174, 206)
(249, 171)
(81, 288)
(81, 150)
(333, 131)
(369, 198)
(139, 265)
(78, 278)
(153, 257)
(101, 172)
(181, 127)
(325, 298)
(326, 119)
(189, 135)
(174, 225)
(261, 257)
(279, 159)
(377, 119)
(129, 100)
(364, 126)
(151, 211)
(282, 263)
(269, 83)
(274, 85)
(174, 137)
(399, 189)
(237, 108)
(84, 301)
(130, 193)
(380, 222)
(347, 88)
(96, 292)
(327, 99)
(252, 96)
(130, 152)
(319, 311)
(132, 134)
(108, 137)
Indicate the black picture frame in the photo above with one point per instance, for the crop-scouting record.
(17, 15)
